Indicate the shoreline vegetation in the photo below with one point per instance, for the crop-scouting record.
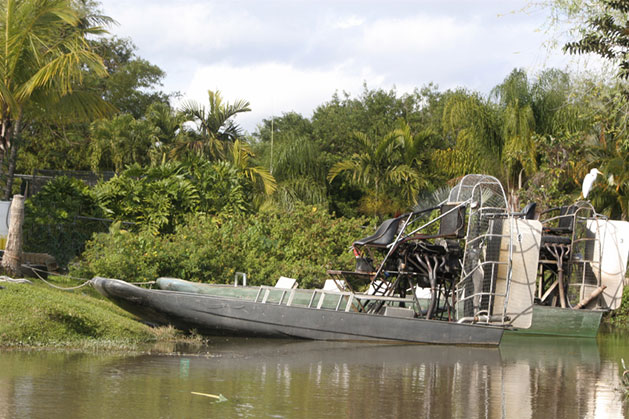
(123, 183)
(36, 316)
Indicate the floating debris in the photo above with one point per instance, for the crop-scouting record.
(220, 397)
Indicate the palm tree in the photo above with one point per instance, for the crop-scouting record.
(43, 57)
(549, 94)
(260, 177)
(470, 127)
(378, 165)
(215, 127)
(300, 170)
(167, 121)
(518, 129)
(414, 152)
(610, 154)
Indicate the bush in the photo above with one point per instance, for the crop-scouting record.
(155, 198)
(302, 244)
(50, 221)
(158, 199)
(620, 317)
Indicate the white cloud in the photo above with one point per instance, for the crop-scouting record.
(197, 27)
(285, 55)
(416, 34)
(275, 88)
(348, 22)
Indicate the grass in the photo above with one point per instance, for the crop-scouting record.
(39, 316)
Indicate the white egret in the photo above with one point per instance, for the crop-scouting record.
(588, 181)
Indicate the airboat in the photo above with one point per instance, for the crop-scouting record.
(461, 272)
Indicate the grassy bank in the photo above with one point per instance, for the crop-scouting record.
(37, 315)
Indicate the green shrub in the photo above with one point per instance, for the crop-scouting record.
(158, 199)
(302, 244)
(620, 317)
(50, 221)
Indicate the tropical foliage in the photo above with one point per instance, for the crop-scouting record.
(215, 128)
(44, 57)
(196, 197)
(266, 245)
(387, 167)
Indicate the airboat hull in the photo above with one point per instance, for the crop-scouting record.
(212, 315)
(557, 321)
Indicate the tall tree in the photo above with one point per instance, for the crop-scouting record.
(518, 128)
(379, 166)
(300, 169)
(471, 133)
(132, 87)
(606, 34)
(133, 83)
(44, 55)
(215, 125)
(287, 147)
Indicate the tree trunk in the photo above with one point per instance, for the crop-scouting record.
(10, 172)
(12, 259)
(13, 156)
(2, 154)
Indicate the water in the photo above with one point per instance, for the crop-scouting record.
(524, 377)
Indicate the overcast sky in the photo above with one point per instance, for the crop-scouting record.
(292, 55)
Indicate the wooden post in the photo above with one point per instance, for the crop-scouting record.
(12, 259)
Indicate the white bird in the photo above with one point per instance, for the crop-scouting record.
(588, 181)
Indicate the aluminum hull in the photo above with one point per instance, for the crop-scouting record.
(211, 315)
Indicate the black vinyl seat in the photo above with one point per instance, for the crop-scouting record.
(452, 224)
(529, 211)
(565, 223)
(384, 235)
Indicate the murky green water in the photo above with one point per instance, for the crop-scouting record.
(525, 377)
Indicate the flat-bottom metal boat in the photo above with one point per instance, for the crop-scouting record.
(213, 315)
(460, 272)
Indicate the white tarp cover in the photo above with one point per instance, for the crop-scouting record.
(613, 236)
(526, 241)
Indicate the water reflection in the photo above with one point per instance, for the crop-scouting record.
(525, 377)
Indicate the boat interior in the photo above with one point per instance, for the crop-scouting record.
(470, 259)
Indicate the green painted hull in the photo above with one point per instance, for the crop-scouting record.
(557, 321)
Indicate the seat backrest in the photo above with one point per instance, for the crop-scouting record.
(566, 215)
(332, 285)
(384, 235)
(285, 282)
(452, 224)
(529, 211)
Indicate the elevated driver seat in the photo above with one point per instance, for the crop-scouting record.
(384, 235)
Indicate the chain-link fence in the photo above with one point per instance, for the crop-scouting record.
(31, 184)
